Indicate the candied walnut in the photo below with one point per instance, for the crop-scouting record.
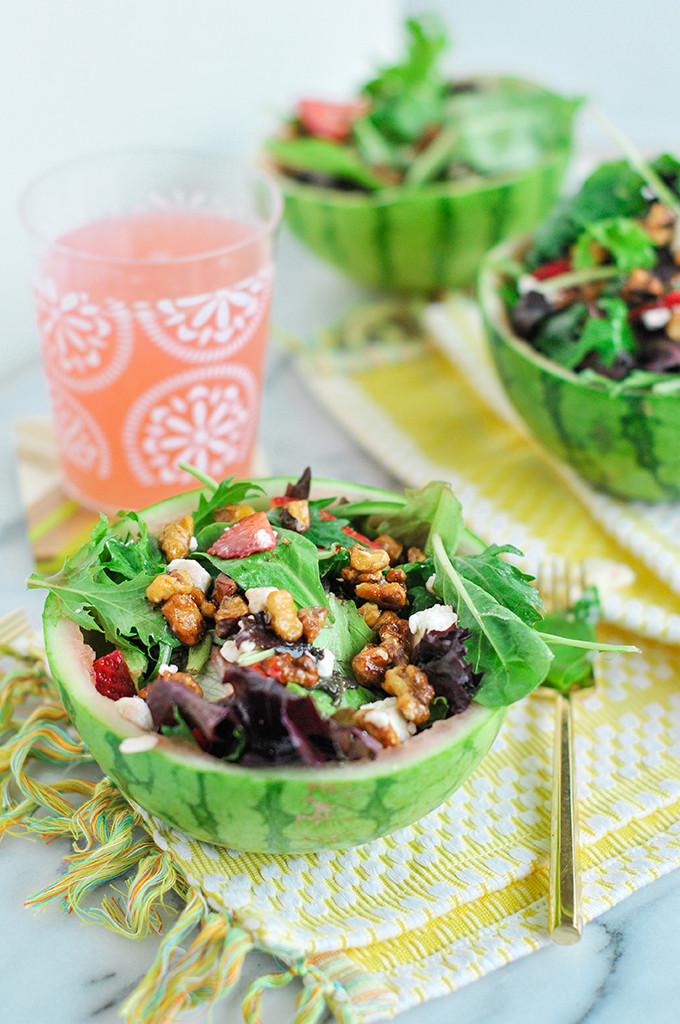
(370, 613)
(223, 586)
(184, 618)
(673, 327)
(393, 547)
(353, 576)
(177, 581)
(396, 575)
(283, 616)
(384, 721)
(410, 686)
(371, 663)
(295, 515)
(186, 679)
(384, 594)
(287, 669)
(641, 283)
(390, 626)
(414, 554)
(232, 513)
(371, 560)
(175, 538)
(312, 620)
(659, 224)
(231, 609)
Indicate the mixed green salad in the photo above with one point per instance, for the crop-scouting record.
(288, 629)
(411, 125)
(598, 290)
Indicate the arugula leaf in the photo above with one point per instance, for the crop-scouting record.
(432, 509)
(612, 190)
(229, 492)
(572, 333)
(513, 658)
(292, 565)
(627, 241)
(503, 581)
(608, 336)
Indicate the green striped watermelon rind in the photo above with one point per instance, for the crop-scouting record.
(268, 810)
(424, 239)
(624, 442)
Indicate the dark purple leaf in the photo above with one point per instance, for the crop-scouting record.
(442, 655)
(300, 490)
(660, 353)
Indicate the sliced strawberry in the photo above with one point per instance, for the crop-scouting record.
(551, 269)
(250, 534)
(329, 120)
(112, 676)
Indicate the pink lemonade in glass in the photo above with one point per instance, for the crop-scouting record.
(154, 325)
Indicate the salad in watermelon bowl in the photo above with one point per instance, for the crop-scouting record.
(583, 323)
(405, 185)
(285, 665)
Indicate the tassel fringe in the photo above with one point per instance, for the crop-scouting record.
(201, 952)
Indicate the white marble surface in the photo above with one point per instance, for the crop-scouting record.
(57, 970)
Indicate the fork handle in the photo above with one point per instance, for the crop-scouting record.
(565, 915)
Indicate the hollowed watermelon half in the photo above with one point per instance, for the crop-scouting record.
(426, 239)
(269, 810)
(623, 442)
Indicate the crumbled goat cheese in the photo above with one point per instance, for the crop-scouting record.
(655, 319)
(230, 650)
(199, 575)
(135, 710)
(385, 713)
(262, 538)
(167, 670)
(193, 544)
(257, 598)
(326, 663)
(439, 617)
(138, 744)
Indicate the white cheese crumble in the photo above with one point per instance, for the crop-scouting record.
(257, 598)
(262, 538)
(135, 710)
(385, 713)
(167, 670)
(138, 744)
(655, 319)
(230, 650)
(439, 617)
(199, 575)
(193, 544)
(325, 664)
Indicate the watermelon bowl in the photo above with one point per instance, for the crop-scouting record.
(426, 239)
(283, 809)
(624, 441)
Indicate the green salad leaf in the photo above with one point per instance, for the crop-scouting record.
(624, 239)
(229, 492)
(345, 633)
(572, 333)
(572, 667)
(432, 509)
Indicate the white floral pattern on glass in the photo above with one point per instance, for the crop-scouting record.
(85, 343)
(212, 325)
(206, 417)
(81, 440)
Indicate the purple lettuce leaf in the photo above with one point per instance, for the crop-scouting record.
(442, 656)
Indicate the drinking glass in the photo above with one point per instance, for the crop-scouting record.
(153, 281)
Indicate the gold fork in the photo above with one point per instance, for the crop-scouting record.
(560, 584)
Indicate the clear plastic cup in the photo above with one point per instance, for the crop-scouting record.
(153, 282)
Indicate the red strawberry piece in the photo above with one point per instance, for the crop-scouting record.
(250, 534)
(112, 676)
(328, 120)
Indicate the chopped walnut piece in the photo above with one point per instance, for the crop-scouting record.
(410, 686)
(371, 560)
(659, 224)
(223, 586)
(184, 618)
(673, 327)
(186, 679)
(371, 663)
(283, 616)
(353, 576)
(232, 513)
(312, 620)
(641, 282)
(295, 515)
(415, 555)
(231, 609)
(370, 613)
(393, 547)
(287, 669)
(384, 594)
(168, 583)
(175, 538)
(384, 721)
(390, 626)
